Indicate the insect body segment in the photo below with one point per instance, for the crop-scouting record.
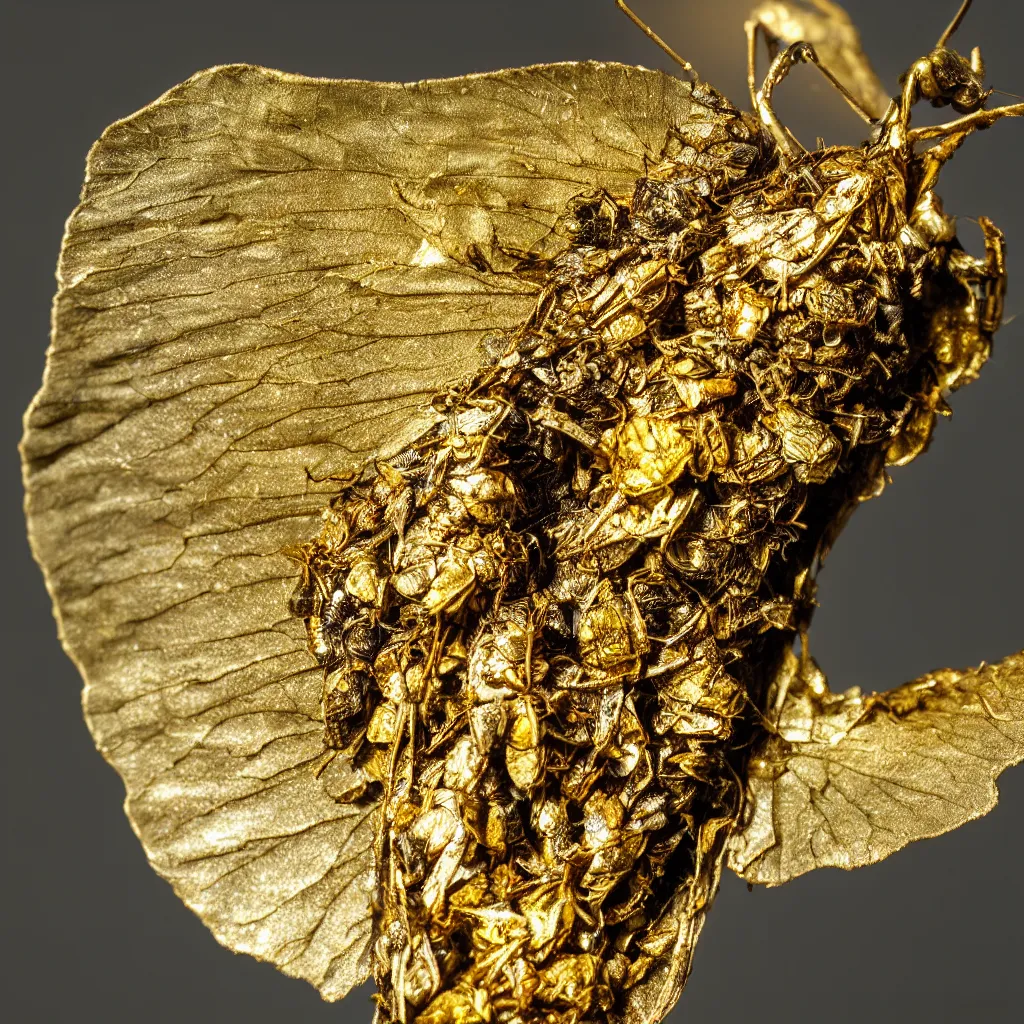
(550, 627)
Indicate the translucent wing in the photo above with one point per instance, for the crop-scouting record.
(266, 280)
(849, 780)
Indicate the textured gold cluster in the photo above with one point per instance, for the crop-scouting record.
(550, 627)
(554, 610)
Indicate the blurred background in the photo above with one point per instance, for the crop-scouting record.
(929, 576)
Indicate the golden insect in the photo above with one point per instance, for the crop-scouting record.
(546, 393)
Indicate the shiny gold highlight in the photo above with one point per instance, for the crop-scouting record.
(544, 395)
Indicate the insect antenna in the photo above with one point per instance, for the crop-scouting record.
(954, 24)
(654, 37)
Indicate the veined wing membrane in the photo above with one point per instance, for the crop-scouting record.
(849, 780)
(266, 280)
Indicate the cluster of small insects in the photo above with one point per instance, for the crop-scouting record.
(549, 626)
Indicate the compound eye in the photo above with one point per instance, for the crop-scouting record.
(969, 98)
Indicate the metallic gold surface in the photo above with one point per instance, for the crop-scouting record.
(544, 393)
(828, 28)
(267, 278)
(848, 779)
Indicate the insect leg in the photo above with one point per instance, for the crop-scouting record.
(969, 122)
(827, 28)
(933, 160)
(994, 281)
(855, 104)
(779, 69)
(751, 27)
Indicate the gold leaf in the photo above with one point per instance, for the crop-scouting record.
(849, 779)
(267, 278)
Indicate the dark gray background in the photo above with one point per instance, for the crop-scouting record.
(928, 576)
